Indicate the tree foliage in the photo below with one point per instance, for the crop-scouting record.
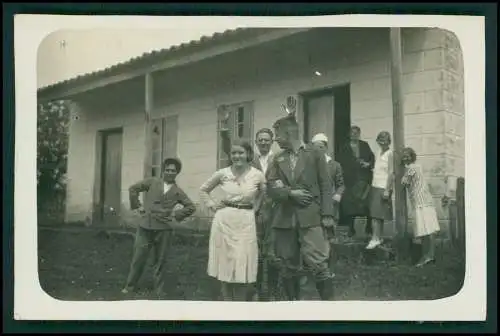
(52, 150)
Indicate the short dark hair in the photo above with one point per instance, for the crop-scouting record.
(264, 130)
(357, 128)
(176, 162)
(411, 152)
(286, 122)
(246, 146)
(383, 134)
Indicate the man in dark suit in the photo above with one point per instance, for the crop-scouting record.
(335, 173)
(334, 168)
(298, 182)
(161, 197)
(267, 275)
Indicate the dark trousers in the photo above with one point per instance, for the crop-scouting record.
(266, 285)
(349, 222)
(304, 247)
(145, 240)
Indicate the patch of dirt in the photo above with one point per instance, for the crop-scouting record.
(88, 266)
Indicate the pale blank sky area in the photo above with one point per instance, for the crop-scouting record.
(66, 54)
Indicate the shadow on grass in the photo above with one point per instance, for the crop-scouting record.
(88, 266)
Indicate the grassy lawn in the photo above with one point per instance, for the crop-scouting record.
(93, 266)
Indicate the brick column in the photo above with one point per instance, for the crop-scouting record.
(454, 107)
(433, 86)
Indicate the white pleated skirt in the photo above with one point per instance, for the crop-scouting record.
(233, 250)
(426, 221)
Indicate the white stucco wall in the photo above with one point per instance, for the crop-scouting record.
(432, 126)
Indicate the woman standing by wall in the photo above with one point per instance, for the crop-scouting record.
(426, 223)
(233, 250)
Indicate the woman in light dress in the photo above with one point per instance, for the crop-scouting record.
(233, 251)
(426, 223)
(380, 202)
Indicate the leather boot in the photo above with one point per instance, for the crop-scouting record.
(273, 292)
(325, 289)
(290, 286)
(297, 286)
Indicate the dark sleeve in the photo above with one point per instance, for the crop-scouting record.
(188, 206)
(339, 180)
(370, 157)
(275, 188)
(324, 184)
(135, 190)
(226, 142)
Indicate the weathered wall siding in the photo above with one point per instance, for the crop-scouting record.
(454, 105)
(431, 121)
(83, 137)
(80, 174)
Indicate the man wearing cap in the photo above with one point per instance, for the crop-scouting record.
(298, 182)
(161, 197)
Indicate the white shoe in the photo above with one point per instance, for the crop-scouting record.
(373, 243)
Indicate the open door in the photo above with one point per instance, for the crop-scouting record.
(319, 116)
(111, 177)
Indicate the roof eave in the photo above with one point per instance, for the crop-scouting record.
(141, 66)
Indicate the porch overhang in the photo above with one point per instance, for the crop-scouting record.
(142, 67)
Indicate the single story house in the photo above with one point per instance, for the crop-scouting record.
(339, 76)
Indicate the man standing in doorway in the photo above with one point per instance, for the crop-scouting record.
(162, 195)
(298, 182)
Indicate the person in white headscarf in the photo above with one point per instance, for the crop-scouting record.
(320, 140)
(336, 176)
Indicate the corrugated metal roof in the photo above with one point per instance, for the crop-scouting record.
(150, 57)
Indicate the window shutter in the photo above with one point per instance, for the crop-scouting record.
(225, 118)
(248, 121)
(240, 125)
(156, 146)
(171, 133)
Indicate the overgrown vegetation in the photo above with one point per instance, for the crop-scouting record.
(90, 265)
(52, 152)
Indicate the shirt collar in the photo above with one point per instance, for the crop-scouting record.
(328, 158)
(264, 156)
(301, 147)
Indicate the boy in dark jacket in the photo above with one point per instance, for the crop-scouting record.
(162, 195)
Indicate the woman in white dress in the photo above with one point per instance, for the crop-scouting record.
(380, 202)
(233, 251)
(426, 223)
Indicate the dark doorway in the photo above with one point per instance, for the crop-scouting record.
(328, 111)
(111, 176)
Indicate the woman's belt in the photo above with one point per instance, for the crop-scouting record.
(239, 206)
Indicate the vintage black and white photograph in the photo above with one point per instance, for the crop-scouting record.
(252, 164)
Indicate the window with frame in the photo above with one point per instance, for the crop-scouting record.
(164, 134)
(238, 119)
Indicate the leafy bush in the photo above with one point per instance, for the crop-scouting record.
(52, 151)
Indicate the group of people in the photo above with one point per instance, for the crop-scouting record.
(277, 218)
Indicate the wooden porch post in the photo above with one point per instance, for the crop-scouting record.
(148, 106)
(403, 241)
